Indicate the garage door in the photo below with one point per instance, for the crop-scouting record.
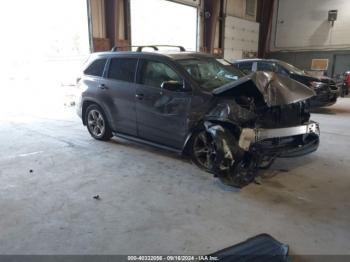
(341, 64)
(164, 23)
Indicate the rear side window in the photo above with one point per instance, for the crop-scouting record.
(122, 69)
(96, 68)
(245, 67)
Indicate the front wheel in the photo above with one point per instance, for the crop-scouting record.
(205, 152)
(97, 123)
(220, 155)
(202, 152)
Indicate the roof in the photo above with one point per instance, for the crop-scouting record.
(171, 54)
(255, 60)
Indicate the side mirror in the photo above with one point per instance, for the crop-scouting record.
(174, 86)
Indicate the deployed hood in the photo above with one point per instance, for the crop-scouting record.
(275, 89)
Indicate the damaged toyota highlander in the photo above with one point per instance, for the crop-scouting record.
(194, 104)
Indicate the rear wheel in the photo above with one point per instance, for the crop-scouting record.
(97, 123)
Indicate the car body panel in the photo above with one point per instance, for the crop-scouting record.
(119, 101)
(161, 115)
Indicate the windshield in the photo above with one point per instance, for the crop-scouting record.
(292, 68)
(210, 73)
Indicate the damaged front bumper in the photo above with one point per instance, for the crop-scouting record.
(281, 142)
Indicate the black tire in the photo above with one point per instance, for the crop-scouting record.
(97, 124)
(237, 173)
(209, 157)
(208, 144)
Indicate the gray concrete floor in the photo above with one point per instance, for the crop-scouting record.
(154, 202)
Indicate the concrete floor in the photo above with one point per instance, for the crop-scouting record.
(154, 202)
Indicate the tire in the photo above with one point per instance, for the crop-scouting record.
(97, 124)
(205, 154)
(202, 150)
(237, 171)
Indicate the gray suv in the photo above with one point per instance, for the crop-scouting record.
(198, 105)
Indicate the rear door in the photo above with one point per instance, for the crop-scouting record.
(161, 114)
(118, 88)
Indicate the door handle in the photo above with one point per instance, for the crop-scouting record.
(139, 96)
(103, 86)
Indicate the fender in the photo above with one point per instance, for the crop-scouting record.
(225, 123)
(227, 144)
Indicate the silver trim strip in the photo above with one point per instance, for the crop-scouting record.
(249, 135)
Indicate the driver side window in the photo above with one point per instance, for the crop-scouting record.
(154, 73)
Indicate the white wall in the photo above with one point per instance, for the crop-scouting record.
(240, 36)
(303, 25)
(241, 32)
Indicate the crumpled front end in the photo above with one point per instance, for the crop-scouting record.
(281, 142)
(275, 90)
(261, 118)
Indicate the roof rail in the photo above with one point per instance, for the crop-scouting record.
(182, 49)
(141, 47)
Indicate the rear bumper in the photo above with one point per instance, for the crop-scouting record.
(78, 106)
(282, 142)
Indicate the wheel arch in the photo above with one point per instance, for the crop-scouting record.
(86, 103)
(234, 128)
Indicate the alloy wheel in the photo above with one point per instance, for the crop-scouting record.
(96, 123)
(204, 150)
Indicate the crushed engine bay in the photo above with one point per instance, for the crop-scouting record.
(267, 118)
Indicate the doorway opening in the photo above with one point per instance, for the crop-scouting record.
(160, 22)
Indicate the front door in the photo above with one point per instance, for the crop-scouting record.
(161, 114)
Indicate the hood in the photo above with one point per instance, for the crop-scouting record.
(275, 89)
